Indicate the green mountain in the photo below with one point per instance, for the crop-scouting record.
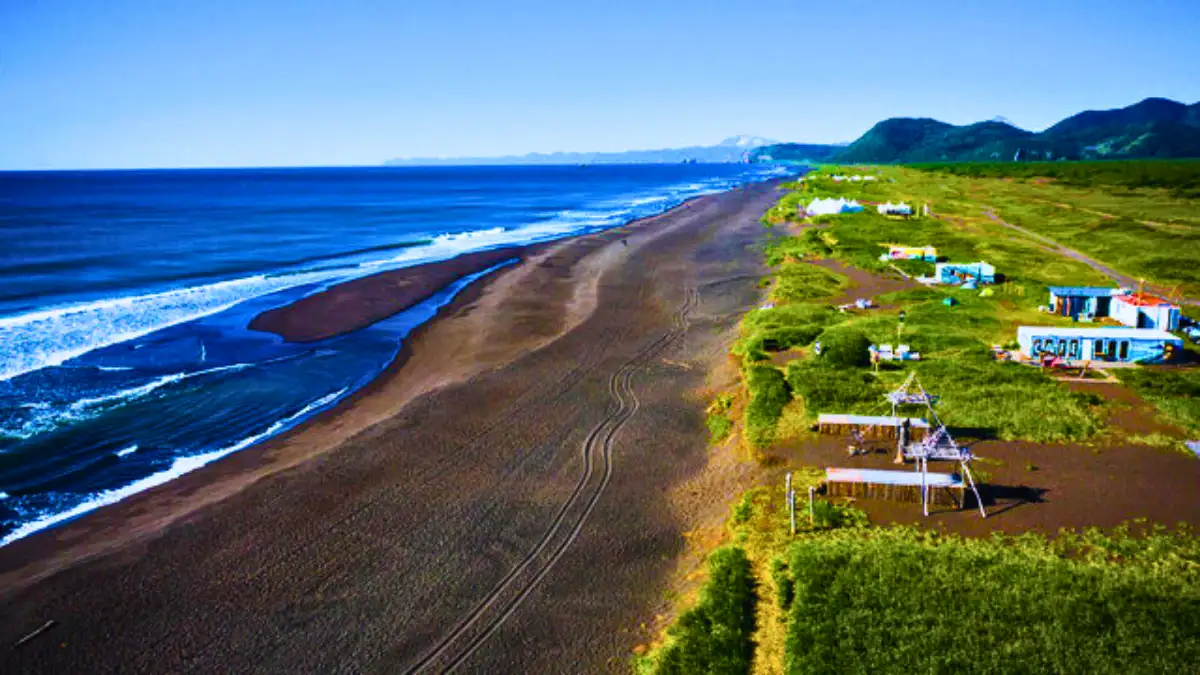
(795, 152)
(1153, 128)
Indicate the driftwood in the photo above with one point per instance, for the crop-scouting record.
(25, 640)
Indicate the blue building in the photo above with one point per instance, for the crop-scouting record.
(1116, 344)
(1089, 302)
(961, 273)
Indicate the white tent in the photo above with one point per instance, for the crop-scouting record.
(822, 207)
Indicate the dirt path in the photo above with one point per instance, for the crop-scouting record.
(1122, 280)
(445, 524)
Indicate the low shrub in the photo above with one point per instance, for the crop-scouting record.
(844, 346)
(798, 282)
(784, 586)
(825, 388)
(715, 636)
(768, 395)
(719, 427)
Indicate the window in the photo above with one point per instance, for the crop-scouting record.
(1062, 347)
(1074, 352)
(1037, 348)
(1123, 350)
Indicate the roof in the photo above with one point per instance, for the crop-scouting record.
(1115, 332)
(1088, 291)
(1145, 300)
(885, 477)
(874, 420)
(953, 265)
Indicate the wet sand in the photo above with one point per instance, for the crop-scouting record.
(348, 306)
(496, 502)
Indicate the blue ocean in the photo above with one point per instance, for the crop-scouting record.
(125, 357)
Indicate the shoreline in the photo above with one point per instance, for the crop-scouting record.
(376, 527)
(179, 498)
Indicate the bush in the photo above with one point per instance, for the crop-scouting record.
(845, 347)
(719, 427)
(784, 587)
(1176, 393)
(768, 395)
(797, 282)
(828, 389)
(715, 636)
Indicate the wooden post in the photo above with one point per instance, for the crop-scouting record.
(792, 509)
(812, 521)
(791, 500)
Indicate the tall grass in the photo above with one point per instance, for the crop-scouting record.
(901, 601)
(1176, 393)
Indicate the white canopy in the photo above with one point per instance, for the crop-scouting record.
(821, 207)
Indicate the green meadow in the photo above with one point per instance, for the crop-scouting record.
(842, 596)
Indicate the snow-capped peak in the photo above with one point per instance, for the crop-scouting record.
(744, 141)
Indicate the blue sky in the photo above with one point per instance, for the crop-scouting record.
(123, 83)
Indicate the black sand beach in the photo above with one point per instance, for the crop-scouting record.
(496, 502)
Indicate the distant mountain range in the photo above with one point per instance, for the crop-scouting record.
(1155, 127)
(733, 149)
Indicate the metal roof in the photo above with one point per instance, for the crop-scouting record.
(1088, 291)
(872, 420)
(886, 477)
(1106, 332)
(1145, 300)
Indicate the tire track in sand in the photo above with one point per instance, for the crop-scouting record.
(620, 389)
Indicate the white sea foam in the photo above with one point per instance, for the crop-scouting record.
(127, 451)
(3, 495)
(178, 468)
(52, 336)
(52, 417)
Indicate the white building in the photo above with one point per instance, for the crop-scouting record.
(890, 209)
(824, 207)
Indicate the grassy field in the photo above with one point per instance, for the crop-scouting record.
(901, 601)
(1139, 217)
(993, 399)
(842, 596)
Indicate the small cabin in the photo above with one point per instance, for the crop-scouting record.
(962, 273)
(1115, 344)
(890, 209)
(1087, 302)
(1141, 310)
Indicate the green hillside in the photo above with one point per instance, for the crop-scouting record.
(1154, 128)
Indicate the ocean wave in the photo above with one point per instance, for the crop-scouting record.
(52, 336)
(127, 451)
(49, 337)
(53, 416)
(178, 468)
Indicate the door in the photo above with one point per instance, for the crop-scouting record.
(1123, 351)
